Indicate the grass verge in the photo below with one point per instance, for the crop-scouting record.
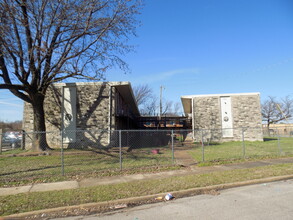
(240, 151)
(42, 200)
(21, 168)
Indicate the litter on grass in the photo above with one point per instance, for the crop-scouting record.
(120, 206)
(169, 196)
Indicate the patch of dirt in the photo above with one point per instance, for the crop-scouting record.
(183, 158)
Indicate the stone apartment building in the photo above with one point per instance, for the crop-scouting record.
(91, 113)
(225, 117)
(87, 112)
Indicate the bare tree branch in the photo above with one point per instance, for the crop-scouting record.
(48, 41)
(142, 93)
(274, 111)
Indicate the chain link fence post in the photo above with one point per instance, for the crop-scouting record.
(172, 142)
(127, 138)
(202, 145)
(279, 143)
(243, 144)
(62, 154)
(120, 150)
(22, 143)
(0, 141)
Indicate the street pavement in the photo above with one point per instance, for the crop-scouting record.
(261, 201)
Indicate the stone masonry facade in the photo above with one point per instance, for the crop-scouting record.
(246, 116)
(102, 108)
(95, 115)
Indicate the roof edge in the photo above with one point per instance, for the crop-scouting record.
(111, 83)
(225, 94)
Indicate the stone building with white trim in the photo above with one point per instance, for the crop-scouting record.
(225, 117)
(86, 112)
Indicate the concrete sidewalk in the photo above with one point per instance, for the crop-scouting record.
(128, 178)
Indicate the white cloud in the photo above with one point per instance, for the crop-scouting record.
(163, 76)
(11, 104)
(158, 60)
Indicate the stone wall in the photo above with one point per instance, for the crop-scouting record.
(207, 115)
(246, 111)
(92, 115)
(246, 116)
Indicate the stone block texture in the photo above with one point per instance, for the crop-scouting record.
(246, 117)
(96, 104)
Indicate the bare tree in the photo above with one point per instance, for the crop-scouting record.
(48, 41)
(176, 108)
(148, 102)
(172, 108)
(150, 108)
(14, 126)
(142, 94)
(166, 107)
(274, 111)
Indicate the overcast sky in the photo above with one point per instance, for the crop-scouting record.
(196, 47)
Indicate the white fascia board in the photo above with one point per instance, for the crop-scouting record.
(186, 103)
(118, 83)
(226, 94)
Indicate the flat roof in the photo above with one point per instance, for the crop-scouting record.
(225, 94)
(123, 87)
(187, 105)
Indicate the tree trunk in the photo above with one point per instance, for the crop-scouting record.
(40, 140)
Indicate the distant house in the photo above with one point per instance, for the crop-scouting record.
(225, 117)
(80, 108)
(284, 130)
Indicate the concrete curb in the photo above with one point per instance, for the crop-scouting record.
(101, 207)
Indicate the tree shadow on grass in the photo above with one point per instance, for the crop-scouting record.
(29, 170)
(270, 139)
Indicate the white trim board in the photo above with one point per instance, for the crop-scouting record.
(226, 94)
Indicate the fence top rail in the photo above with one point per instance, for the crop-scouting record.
(144, 130)
(264, 128)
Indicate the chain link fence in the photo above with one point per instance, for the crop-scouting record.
(102, 152)
(209, 145)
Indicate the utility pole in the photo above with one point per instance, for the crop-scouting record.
(279, 108)
(161, 105)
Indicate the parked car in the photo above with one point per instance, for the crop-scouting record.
(10, 142)
(10, 134)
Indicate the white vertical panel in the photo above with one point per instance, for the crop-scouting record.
(69, 114)
(192, 115)
(226, 114)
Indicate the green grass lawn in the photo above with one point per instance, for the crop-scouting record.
(13, 204)
(21, 170)
(271, 147)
